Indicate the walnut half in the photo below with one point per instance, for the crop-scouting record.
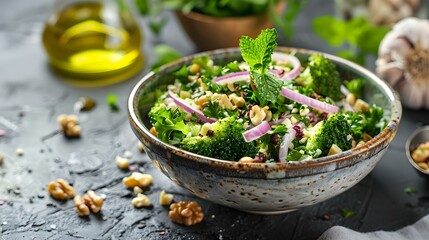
(60, 189)
(90, 201)
(186, 212)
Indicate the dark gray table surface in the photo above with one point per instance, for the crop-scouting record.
(31, 97)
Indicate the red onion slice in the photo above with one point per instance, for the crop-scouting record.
(284, 145)
(292, 60)
(233, 77)
(257, 131)
(2, 132)
(297, 97)
(185, 106)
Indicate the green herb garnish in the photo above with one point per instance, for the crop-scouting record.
(257, 53)
(347, 213)
(410, 190)
(112, 102)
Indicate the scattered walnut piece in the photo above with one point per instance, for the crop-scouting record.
(81, 208)
(165, 199)
(69, 125)
(90, 202)
(121, 162)
(1, 159)
(141, 201)
(137, 190)
(93, 201)
(20, 151)
(138, 179)
(60, 189)
(185, 212)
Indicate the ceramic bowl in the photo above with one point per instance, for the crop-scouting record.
(419, 136)
(264, 188)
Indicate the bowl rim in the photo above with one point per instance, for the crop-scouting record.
(386, 135)
(408, 149)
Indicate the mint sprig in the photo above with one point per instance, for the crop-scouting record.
(257, 53)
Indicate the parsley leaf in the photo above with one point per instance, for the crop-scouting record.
(257, 53)
(169, 124)
(112, 101)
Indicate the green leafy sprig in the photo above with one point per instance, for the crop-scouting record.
(257, 53)
(362, 37)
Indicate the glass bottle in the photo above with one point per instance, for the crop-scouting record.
(93, 42)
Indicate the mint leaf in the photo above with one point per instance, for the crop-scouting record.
(257, 52)
(267, 84)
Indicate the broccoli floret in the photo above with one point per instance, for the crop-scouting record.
(334, 130)
(225, 142)
(322, 76)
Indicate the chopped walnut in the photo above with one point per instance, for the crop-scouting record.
(361, 106)
(138, 179)
(121, 162)
(236, 100)
(194, 68)
(141, 201)
(93, 201)
(69, 125)
(185, 212)
(81, 208)
(60, 190)
(137, 190)
(153, 131)
(1, 159)
(258, 114)
(202, 101)
(224, 101)
(165, 199)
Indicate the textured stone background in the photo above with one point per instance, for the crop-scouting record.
(31, 97)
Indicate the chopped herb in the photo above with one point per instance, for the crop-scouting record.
(410, 190)
(347, 213)
(112, 101)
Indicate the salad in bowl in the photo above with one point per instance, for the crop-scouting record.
(271, 107)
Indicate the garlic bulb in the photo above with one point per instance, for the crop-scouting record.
(403, 61)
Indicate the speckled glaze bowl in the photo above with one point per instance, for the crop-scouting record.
(263, 188)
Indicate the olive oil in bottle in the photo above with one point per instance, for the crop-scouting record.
(93, 43)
